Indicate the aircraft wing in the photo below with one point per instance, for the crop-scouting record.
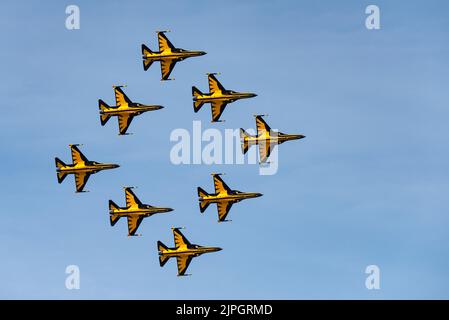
(264, 150)
(167, 66)
(164, 43)
(220, 185)
(133, 224)
(261, 125)
(217, 109)
(81, 180)
(120, 97)
(180, 239)
(223, 208)
(214, 84)
(131, 199)
(77, 155)
(183, 263)
(124, 120)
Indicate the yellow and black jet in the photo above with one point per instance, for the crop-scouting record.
(218, 97)
(265, 138)
(125, 110)
(224, 197)
(81, 168)
(183, 251)
(168, 55)
(135, 211)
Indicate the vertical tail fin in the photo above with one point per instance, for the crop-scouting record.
(245, 143)
(61, 175)
(196, 103)
(103, 117)
(162, 258)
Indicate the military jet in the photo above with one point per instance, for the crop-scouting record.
(218, 97)
(184, 251)
(135, 211)
(265, 138)
(224, 197)
(168, 55)
(81, 168)
(125, 110)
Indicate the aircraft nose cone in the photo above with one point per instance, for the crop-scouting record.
(202, 53)
(259, 194)
(168, 210)
(160, 107)
(115, 166)
(218, 249)
(253, 95)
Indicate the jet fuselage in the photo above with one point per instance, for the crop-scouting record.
(227, 96)
(87, 167)
(234, 196)
(267, 138)
(134, 109)
(194, 250)
(170, 54)
(139, 211)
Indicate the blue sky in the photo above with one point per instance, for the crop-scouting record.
(368, 185)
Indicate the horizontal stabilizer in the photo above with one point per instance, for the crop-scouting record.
(204, 205)
(114, 218)
(146, 64)
(145, 53)
(161, 247)
(103, 117)
(162, 258)
(61, 175)
(245, 143)
(202, 193)
(59, 163)
(113, 206)
(196, 92)
(197, 104)
(145, 50)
